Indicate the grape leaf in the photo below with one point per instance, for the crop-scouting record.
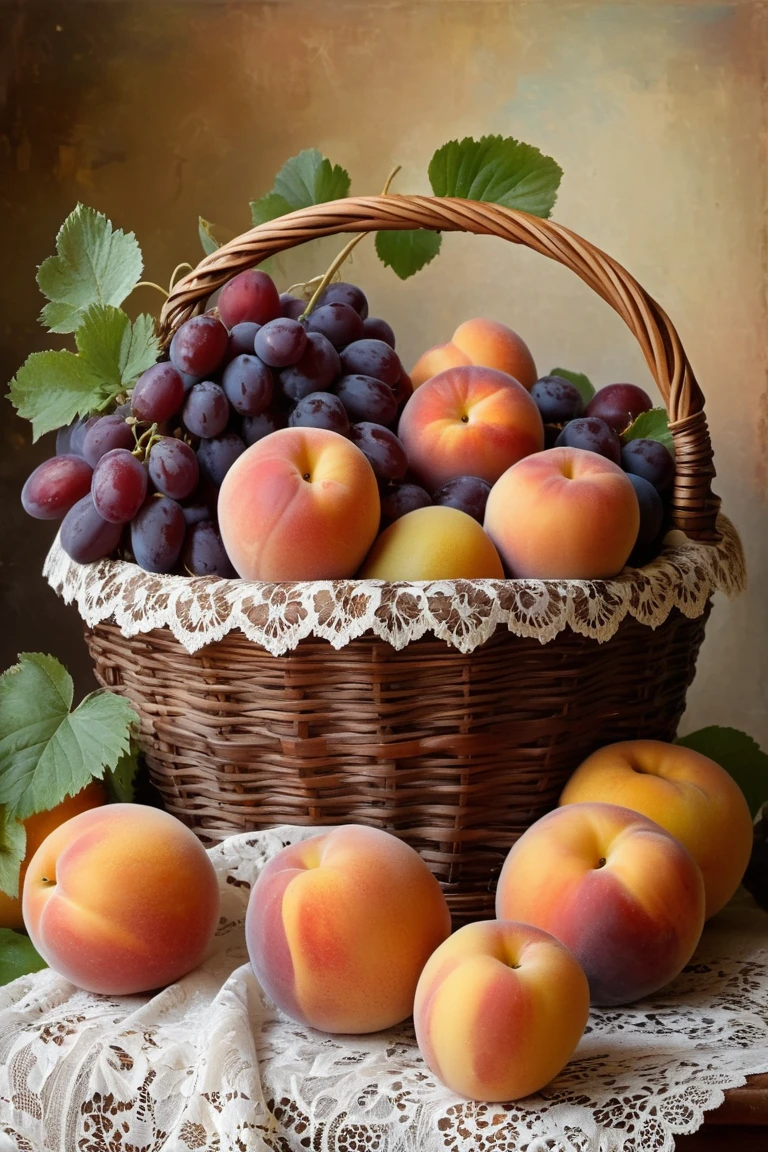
(651, 425)
(586, 388)
(305, 179)
(268, 208)
(120, 779)
(17, 956)
(499, 170)
(740, 755)
(115, 349)
(406, 253)
(13, 844)
(94, 265)
(46, 751)
(207, 239)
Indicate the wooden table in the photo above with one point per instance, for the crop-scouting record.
(740, 1124)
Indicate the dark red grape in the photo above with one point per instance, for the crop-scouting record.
(557, 399)
(385, 453)
(86, 536)
(619, 404)
(249, 297)
(403, 498)
(320, 410)
(157, 534)
(651, 460)
(343, 293)
(173, 468)
(241, 340)
(651, 514)
(376, 329)
(55, 486)
(199, 346)
(314, 372)
(281, 342)
(592, 434)
(257, 427)
(338, 323)
(119, 486)
(195, 511)
(217, 456)
(467, 493)
(107, 433)
(291, 306)
(403, 390)
(158, 394)
(206, 410)
(367, 399)
(248, 384)
(188, 381)
(372, 358)
(78, 432)
(204, 553)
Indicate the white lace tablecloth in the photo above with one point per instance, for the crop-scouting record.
(209, 1063)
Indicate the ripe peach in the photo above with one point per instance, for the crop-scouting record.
(564, 513)
(619, 891)
(38, 827)
(484, 343)
(468, 422)
(301, 504)
(121, 899)
(499, 1010)
(340, 926)
(688, 794)
(435, 543)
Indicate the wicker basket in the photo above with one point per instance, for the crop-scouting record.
(455, 752)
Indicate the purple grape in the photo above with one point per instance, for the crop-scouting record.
(619, 404)
(651, 460)
(343, 293)
(376, 329)
(651, 513)
(385, 453)
(199, 346)
(400, 500)
(314, 372)
(367, 399)
(64, 438)
(257, 427)
(119, 486)
(86, 536)
(281, 342)
(158, 394)
(123, 410)
(157, 534)
(403, 390)
(195, 511)
(241, 340)
(188, 381)
(78, 432)
(216, 456)
(593, 435)
(320, 410)
(291, 306)
(372, 358)
(173, 468)
(337, 322)
(557, 399)
(55, 486)
(204, 553)
(248, 385)
(107, 433)
(467, 493)
(249, 297)
(206, 410)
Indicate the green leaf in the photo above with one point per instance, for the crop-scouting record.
(94, 265)
(120, 779)
(207, 239)
(13, 844)
(406, 253)
(740, 755)
(17, 956)
(499, 170)
(268, 208)
(114, 349)
(306, 179)
(46, 751)
(583, 383)
(651, 425)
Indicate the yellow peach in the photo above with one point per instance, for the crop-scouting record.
(435, 543)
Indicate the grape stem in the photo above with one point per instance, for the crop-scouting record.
(179, 268)
(144, 442)
(151, 284)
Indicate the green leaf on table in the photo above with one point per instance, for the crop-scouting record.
(499, 170)
(48, 752)
(406, 253)
(740, 755)
(120, 780)
(582, 383)
(306, 179)
(13, 843)
(651, 425)
(17, 956)
(95, 265)
(207, 239)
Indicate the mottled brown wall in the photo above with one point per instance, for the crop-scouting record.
(154, 112)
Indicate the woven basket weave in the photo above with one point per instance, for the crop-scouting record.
(455, 752)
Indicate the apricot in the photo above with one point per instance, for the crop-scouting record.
(435, 543)
(484, 343)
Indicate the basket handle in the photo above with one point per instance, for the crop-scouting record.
(694, 505)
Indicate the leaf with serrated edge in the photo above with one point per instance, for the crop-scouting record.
(207, 239)
(13, 844)
(46, 751)
(309, 179)
(498, 170)
(406, 253)
(740, 755)
(120, 779)
(52, 388)
(268, 208)
(651, 425)
(18, 956)
(114, 349)
(95, 265)
(581, 383)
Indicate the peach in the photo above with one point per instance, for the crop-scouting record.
(37, 828)
(468, 422)
(121, 899)
(340, 926)
(563, 514)
(301, 504)
(484, 343)
(625, 896)
(688, 794)
(435, 543)
(499, 1010)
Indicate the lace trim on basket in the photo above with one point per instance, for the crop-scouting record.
(200, 610)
